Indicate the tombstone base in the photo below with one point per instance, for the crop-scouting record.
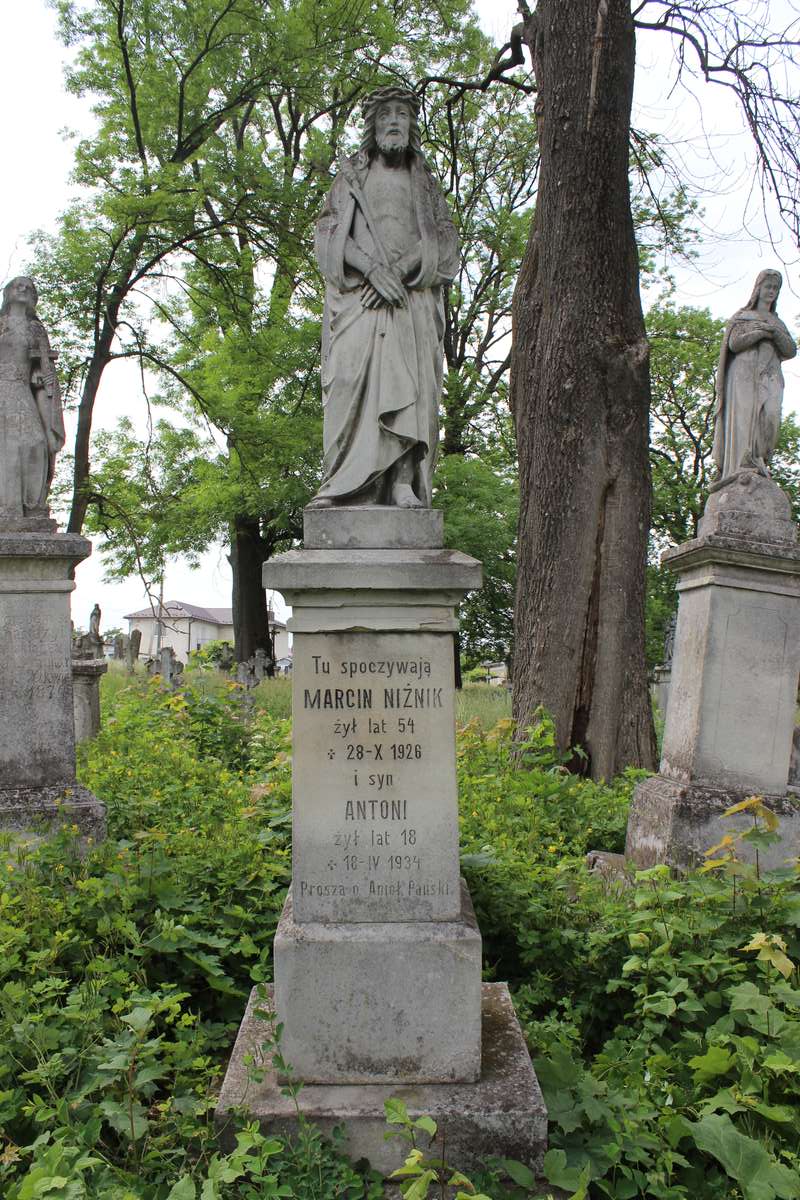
(380, 1001)
(502, 1114)
(29, 813)
(675, 823)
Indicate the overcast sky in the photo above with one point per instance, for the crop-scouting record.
(705, 126)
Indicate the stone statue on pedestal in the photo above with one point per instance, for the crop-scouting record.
(50, 688)
(95, 636)
(31, 421)
(750, 382)
(387, 247)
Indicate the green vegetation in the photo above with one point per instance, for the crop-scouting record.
(663, 1018)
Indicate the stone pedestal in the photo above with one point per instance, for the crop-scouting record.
(86, 676)
(660, 690)
(377, 955)
(730, 719)
(502, 1115)
(37, 735)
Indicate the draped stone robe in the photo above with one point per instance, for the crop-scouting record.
(749, 392)
(382, 367)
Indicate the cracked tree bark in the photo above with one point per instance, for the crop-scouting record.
(581, 395)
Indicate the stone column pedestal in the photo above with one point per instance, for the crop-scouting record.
(38, 790)
(378, 955)
(733, 692)
(660, 689)
(86, 676)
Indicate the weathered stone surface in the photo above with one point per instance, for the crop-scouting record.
(35, 812)
(375, 823)
(376, 1002)
(385, 243)
(359, 527)
(747, 413)
(31, 419)
(357, 573)
(748, 505)
(86, 675)
(501, 1114)
(36, 717)
(676, 823)
(735, 669)
(660, 688)
(37, 732)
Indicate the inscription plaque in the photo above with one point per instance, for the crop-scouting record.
(375, 802)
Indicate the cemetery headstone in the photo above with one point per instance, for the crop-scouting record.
(377, 954)
(730, 718)
(38, 789)
(132, 652)
(663, 672)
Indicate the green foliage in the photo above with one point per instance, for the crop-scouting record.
(692, 1090)
(209, 654)
(480, 500)
(423, 1171)
(665, 1017)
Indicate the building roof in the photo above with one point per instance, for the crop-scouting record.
(176, 610)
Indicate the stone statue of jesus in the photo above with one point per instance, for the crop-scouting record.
(387, 247)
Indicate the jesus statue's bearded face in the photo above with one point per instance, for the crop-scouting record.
(392, 127)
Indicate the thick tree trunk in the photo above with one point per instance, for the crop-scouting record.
(250, 614)
(581, 394)
(80, 472)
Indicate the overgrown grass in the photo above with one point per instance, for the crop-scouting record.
(483, 703)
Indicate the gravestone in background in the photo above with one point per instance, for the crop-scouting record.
(38, 790)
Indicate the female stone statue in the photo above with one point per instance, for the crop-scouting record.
(750, 381)
(31, 421)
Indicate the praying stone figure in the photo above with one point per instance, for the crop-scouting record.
(31, 420)
(387, 248)
(750, 382)
(95, 636)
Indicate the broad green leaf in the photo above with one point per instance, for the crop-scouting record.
(184, 1189)
(395, 1111)
(745, 1160)
(559, 1174)
(426, 1124)
(420, 1187)
(520, 1174)
(716, 1061)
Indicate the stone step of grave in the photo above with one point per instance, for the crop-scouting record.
(376, 1001)
(675, 823)
(502, 1114)
(30, 813)
(354, 527)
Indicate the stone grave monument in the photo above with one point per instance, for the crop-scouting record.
(37, 736)
(663, 672)
(378, 955)
(736, 660)
(88, 668)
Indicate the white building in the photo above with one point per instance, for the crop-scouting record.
(188, 627)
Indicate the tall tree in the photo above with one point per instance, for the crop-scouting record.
(580, 385)
(581, 396)
(165, 77)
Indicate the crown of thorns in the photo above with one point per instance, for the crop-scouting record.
(382, 94)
